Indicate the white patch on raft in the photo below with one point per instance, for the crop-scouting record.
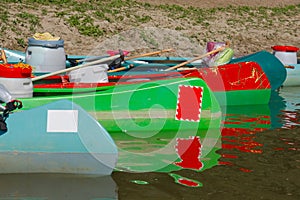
(62, 121)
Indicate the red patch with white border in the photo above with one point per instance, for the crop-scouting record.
(189, 103)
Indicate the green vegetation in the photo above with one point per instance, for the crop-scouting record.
(97, 18)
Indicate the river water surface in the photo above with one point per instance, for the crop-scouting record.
(255, 155)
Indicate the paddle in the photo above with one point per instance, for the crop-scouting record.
(126, 58)
(3, 56)
(120, 69)
(149, 54)
(103, 60)
(197, 58)
(138, 56)
(289, 67)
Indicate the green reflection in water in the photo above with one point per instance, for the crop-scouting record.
(139, 182)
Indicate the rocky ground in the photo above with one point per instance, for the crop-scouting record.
(224, 3)
(176, 27)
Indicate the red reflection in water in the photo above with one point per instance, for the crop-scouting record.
(239, 134)
(263, 119)
(241, 141)
(279, 149)
(185, 181)
(188, 182)
(245, 170)
(189, 150)
(260, 120)
(225, 163)
(229, 156)
(240, 129)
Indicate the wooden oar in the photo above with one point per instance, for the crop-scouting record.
(120, 68)
(103, 60)
(128, 58)
(149, 54)
(3, 56)
(289, 67)
(196, 58)
(138, 56)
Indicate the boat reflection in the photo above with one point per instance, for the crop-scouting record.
(290, 113)
(247, 140)
(168, 151)
(291, 97)
(242, 124)
(174, 151)
(56, 186)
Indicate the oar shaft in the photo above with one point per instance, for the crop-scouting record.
(120, 69)
(138, 56)
(127, 58)
(196, 58)
(102, 60)
(3, 56)
(149, 54)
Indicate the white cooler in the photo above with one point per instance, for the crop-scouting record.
(90, 74)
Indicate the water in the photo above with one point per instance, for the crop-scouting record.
(255, 155)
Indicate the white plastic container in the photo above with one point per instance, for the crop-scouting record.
(286, 54)
(18, 87)
(45, 56)
(91, 74)
(16, 80)
(286, 57)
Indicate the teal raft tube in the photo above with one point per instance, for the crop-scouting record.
(59, 137)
